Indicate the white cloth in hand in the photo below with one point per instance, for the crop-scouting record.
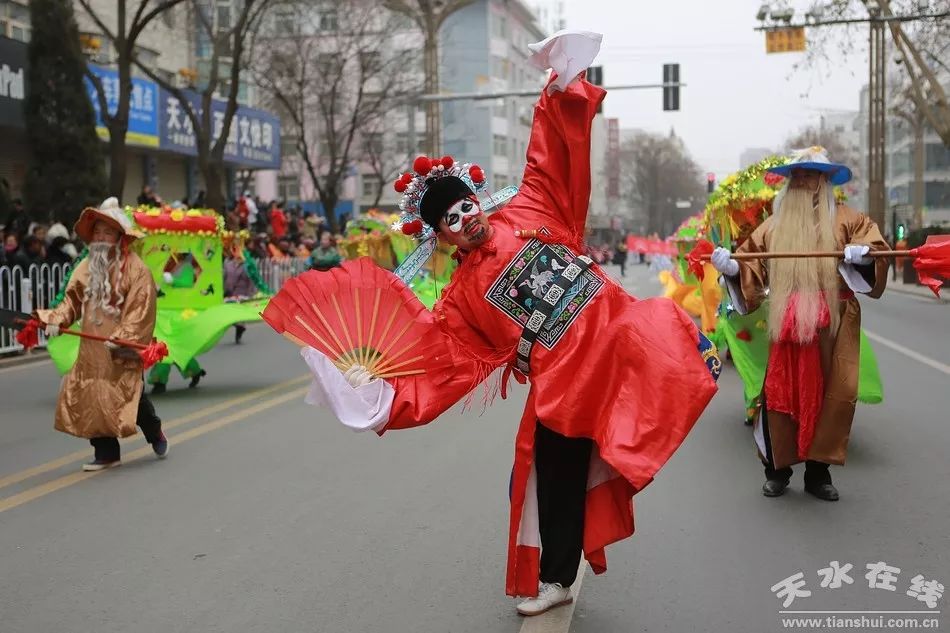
(568, 53)
(361, 408)
(51, 330)
(357, 376)
(722, 261)
(856, 254)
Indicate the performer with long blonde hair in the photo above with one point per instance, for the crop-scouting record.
(814, 319)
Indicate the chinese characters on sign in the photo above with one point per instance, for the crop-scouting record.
(143, 106)
(785, 40)
(252, 138)
(879, 575)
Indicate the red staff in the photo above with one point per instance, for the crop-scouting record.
(931, 261)
(28, 336)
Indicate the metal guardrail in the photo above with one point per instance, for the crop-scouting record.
(26, 290)
(37, 286)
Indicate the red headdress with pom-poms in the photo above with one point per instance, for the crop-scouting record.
(413, 185)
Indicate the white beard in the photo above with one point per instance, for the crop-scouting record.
(99, 292)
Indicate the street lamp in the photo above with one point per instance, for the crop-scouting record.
(784, 14)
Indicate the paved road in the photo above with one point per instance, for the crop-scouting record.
(268, 516)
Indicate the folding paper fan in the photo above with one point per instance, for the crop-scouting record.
(359, 314)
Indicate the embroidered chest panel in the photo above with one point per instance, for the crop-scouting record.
(523, 283)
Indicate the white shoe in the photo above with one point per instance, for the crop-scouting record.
(100, 464)
(550, 595)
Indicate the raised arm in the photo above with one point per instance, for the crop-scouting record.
(557, 176)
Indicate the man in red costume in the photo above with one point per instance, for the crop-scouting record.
(593, 432)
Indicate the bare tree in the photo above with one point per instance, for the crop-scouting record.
(122, 36)
(656, 172)
(429, 15)
(922, 47)
(334, 82)
(385, 160)
(231, 46)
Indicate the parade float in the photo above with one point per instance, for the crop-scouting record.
(371, 235)
(699, 298)
(185, 252)
(735, 209)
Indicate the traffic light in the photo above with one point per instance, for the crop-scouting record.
(900, 231)
(710, 182)
(595, 75)
(671, 94)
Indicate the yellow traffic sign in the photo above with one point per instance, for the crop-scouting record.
(790, 40)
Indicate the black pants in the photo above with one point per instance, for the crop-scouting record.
(815, 472)
(107, 448)
(561, 464)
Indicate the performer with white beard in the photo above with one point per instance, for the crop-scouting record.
(112, 292)
(811, 380)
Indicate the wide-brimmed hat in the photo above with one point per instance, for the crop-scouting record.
(111, 213)
(815, 158)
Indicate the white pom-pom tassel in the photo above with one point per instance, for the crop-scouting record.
(167, 278)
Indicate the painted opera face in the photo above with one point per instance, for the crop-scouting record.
(464, 225)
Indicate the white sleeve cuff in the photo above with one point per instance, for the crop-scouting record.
(567, 53)
(734, 286)
(364, 408)
(853, 277)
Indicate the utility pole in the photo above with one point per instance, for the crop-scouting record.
(784, 36)
(877, 124)
(429, 16)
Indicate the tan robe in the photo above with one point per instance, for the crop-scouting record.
(99, 396)
(778, 432)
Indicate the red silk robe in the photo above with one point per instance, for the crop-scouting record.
(599, 367)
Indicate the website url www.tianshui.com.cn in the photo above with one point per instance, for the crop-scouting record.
(861, 622)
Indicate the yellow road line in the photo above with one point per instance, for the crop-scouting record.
(65, 481)
(22, 475)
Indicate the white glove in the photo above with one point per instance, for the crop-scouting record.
(722, 261)
(357, 376)
(111, 346)
(856, 254)
(51, 330)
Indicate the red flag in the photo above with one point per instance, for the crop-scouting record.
(932, 260)
(695, 257)
(28, 336)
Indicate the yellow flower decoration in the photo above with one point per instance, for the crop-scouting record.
(194, 213)
(153, 212)
(177, 215)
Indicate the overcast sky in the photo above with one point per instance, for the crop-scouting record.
(737, 96)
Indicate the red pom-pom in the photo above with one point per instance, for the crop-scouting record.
(29, 337)
(154, 353)
(447, 162)
(406, 178)
(399, 186)
(412, 227)
(436, 162)
(477, 174)
(422, 165)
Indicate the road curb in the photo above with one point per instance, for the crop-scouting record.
(917, 293)
(23, 359)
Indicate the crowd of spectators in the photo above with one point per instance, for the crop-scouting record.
(276, 233)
